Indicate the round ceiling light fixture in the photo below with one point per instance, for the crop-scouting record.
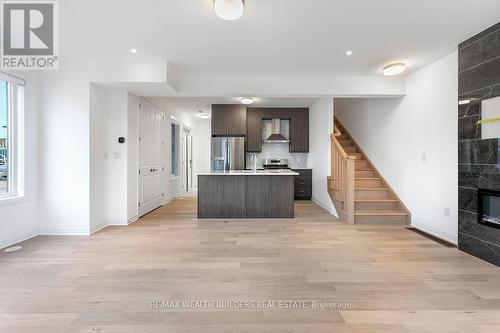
(204, 114)
(134, 51)
(246, 100)
(394, 69)
(229, 10)
(348, 53)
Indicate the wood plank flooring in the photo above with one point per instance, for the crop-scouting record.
(370, 278)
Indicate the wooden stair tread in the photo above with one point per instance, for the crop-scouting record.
(373, 201)
(380, 213)
(377, 200)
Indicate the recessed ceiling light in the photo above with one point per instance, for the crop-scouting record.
(349, 52)
(229, 10)
(134, 51)
(394, 69)
(464, 101)
(204, 115)
(247, 100)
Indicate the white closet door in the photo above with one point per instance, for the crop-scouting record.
(151, 136)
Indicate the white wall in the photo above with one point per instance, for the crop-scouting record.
(202, 133)
(132, 142)
(66, 155)
(321, 127)
(397, 133)
(109, 160)
(19, 221)
(99, 180)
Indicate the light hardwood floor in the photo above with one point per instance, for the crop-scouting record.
(388, 278)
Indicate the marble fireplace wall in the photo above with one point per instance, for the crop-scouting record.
(478, 160)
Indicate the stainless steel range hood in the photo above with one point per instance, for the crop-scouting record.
(276, 136)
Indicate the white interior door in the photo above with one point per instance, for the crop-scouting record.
(151, 138)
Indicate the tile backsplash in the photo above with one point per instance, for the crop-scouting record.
(279, 150)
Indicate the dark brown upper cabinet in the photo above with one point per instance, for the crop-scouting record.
(299, 127)
(229, 120)
(299, 131)
(254, 130)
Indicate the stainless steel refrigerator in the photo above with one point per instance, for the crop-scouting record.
(228, 153)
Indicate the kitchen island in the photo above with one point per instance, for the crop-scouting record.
(246, 194)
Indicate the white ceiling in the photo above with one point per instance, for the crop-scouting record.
(191, 106)
(286, 37)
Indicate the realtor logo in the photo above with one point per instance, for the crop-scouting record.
(30, 35)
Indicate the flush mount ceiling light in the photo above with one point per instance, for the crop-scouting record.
(394, 69)
(464, 101)
(134, 51)
(348, 53)
(203, 115)
(229, 10)
(247, 100)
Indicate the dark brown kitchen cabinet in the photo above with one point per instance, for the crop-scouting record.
(228, 119)
(303, 184)
(254, 130)
(299, 132)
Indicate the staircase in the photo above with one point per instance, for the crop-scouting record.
(359, 192)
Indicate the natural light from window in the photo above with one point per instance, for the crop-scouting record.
(3, 138)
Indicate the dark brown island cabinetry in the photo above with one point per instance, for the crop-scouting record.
(303, 184)
(245, 196)
(229, 120)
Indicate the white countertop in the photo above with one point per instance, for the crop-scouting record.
(250, 173)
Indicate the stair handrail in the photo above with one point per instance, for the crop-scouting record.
(342, 176)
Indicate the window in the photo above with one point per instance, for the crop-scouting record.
(4, 152)
(11, 138)
(175, 149)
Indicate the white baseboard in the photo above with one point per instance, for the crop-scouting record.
(436, 233)
(96, 228)
(325, 207)
(133, 219)
(17, 239)
(118, 223)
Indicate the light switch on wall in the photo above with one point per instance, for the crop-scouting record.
(447, 211)
(117, 155)
(424, 157)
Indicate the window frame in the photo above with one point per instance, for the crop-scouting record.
(15, 140)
